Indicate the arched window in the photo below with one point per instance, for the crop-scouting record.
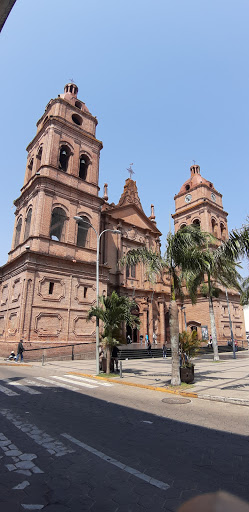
(84, 163)
(183, 226)
(57, 224)
(196, 222)
(30, 165)
(39, 156)
(222, 231)
(64, 158)
(27, 225)
(18, 232)
(83, 229)
(214, 227)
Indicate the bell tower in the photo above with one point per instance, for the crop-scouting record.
(49, 282)
(198, 202)
(61, 180)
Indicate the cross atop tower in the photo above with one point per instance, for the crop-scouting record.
(130, 170)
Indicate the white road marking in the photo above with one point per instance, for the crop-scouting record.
(58, 384)
(77, 377)
(35, 383)
(145, 421)
(23, 387)
(8, 392)
(84, 384)
(39, 436)
(123, 467)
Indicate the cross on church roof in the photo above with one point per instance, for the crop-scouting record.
(71, 80)
(130, 170)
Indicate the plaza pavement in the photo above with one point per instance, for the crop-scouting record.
(226, 380)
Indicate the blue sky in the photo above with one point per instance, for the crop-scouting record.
(167, 79)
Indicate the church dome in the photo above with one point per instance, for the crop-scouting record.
(194, 180)
(70, 95)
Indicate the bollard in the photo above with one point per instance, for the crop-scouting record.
(120, 370)
(73, 353)
(43, 359)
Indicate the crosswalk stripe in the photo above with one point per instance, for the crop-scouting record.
(84, 384)
(58, 384)
(24, 388)
(8, 392)
(77, 377)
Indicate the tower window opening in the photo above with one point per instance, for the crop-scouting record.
(84, 163)
(64, 158)
(27, 225)
(57, 224)
(130, 271)
(51, 288)
(77, 119)
(187, 187)
(78, 104)
(85, 292)
(18, 232)
(222, 231)
(83, 229)
(31, 162)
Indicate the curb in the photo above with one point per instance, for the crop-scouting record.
(13, 364)
(213, 398)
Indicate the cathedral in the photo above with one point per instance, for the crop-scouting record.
(63, 226)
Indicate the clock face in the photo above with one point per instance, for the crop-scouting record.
(213, 197)
(188, 198)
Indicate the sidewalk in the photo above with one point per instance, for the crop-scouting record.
(226, 380)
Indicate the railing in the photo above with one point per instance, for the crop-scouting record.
(67, 345)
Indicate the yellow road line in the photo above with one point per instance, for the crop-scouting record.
(135, 385)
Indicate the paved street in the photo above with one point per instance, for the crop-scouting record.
(72, 443)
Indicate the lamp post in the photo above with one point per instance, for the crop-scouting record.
(231, 325)
(79, 220)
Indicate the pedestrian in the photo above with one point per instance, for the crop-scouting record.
(146, 340)
(149, 348)
(210, 341)
(115, 352)
(20, 350)
(236, 345)
(154, 338)
(128, 339)
(165, 350)
(141, 338)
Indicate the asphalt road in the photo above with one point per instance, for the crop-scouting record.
(67, 446)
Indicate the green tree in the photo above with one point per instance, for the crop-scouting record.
(182, 256)
(113, 311)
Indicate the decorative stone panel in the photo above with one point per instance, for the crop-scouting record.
(83, 328)
(2, 325)
(48, 324)
(12, 324)
(226, 331)
(81, 289)
(16, 290)
(5, 293)
(58, 289)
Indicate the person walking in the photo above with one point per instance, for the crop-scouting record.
(149, 348)
(20, 350)
(164, 350)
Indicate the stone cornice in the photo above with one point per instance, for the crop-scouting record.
(38, 183)
(200, 203)
(72, 130)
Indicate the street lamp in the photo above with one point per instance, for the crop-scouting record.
(231, 325)
(79, 220)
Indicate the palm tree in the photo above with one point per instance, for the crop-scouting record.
(182, 256)
(217, 266)
(113, 311)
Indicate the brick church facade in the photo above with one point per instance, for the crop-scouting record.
(49, 282)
